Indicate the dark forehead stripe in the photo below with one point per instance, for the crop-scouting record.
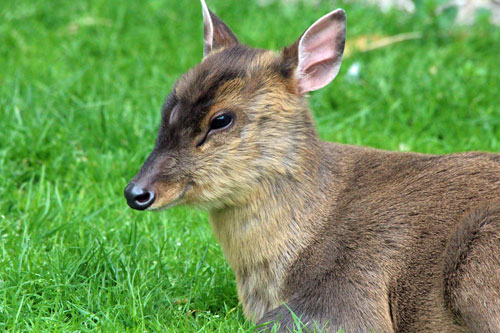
(200, 85)
(205, 84)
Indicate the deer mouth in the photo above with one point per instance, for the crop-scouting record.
(170, 196)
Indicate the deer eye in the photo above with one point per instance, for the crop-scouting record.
(218, 123)
(221, 121)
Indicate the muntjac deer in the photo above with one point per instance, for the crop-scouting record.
(341, 236)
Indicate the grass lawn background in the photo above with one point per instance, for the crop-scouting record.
(81, 86)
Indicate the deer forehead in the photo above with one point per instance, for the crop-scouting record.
(237, 69)
(227, 79)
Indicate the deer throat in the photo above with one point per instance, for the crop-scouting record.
(261, 240)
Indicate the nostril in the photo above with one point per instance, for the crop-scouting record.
(143, 198)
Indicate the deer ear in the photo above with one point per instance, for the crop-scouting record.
(216, 33)
(319, 52)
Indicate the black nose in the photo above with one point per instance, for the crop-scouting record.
(138, 198)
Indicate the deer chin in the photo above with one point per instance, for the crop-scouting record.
(170, 196)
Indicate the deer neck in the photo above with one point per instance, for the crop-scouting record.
(264, 236)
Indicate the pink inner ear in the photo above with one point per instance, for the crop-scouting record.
(320, 52)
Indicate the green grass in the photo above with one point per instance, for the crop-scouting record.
(81, 86)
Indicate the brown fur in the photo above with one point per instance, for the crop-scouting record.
(346, 236)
